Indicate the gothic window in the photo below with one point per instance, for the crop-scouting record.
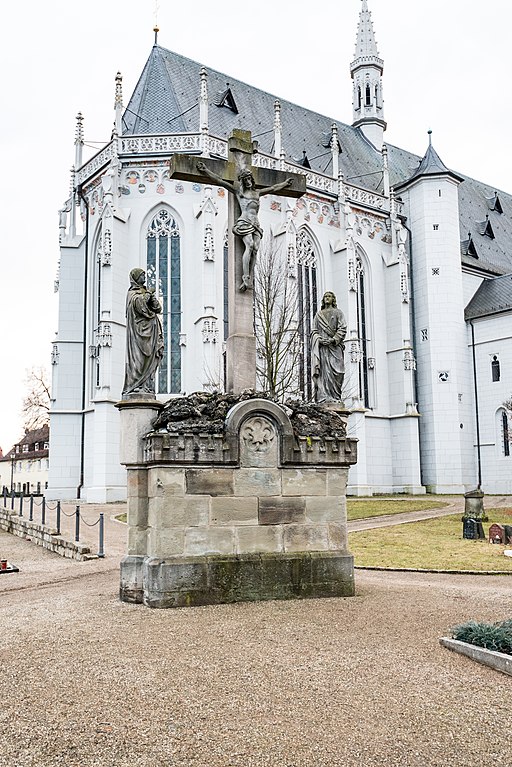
(307, 305)
(505, 434)
(359, 97)
(164, 274)
(368, 95)
(363, 332)
(495, 369)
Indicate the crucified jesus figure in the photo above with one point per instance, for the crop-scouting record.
(247, 227)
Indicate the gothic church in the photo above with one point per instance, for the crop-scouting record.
(420, 259)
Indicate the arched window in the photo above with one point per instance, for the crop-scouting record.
(368, 95)
(363, 332)
(164, 274)
(495, 368)
(94, 349)
(505, 433)
(359, 97)
(307, 300)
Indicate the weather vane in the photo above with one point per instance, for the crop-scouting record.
(155, 28)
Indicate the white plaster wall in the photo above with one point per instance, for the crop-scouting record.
(439, 308)
(470, 282)
(493, 336)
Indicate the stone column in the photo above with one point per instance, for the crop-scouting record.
(241, 343)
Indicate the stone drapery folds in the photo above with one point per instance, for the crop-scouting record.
(144, 338)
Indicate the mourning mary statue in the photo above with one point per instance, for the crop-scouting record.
(327, 350)
(144, 339)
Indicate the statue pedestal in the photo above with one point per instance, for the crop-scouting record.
(251, 513)
(137, 413)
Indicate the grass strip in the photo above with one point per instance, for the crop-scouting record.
(431, 544)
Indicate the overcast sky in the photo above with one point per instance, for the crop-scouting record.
(447, 67)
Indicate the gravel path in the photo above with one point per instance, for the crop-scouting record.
(87, 681)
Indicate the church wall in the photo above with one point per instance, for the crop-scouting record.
(493, 337)
(379, 464)
(470, 283)
(65, 416)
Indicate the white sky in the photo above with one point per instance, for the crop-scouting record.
(447, 67)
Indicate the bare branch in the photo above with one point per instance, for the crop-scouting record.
(36, 402)
(276, 313)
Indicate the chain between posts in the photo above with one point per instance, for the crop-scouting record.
(59, 511)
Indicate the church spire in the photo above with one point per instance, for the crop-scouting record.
(366, 45)
(366, 70)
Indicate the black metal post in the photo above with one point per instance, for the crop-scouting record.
(12, 500)
(31, 509)
(5, 496)
(101, 552)
(43, 511)
(58, 517)
(21, 504)
(77, 524)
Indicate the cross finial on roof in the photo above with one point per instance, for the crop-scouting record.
(430, 137)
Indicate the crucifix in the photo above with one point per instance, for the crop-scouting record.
(246, 185)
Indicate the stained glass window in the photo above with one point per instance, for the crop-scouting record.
(164, 274)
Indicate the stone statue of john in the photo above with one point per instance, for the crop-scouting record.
(144, 338)
(247, 227)
(327, 350)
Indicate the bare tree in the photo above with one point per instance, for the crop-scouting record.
(508, 405)
(276, 315)
(36, 402)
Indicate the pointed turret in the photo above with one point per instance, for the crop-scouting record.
(430, 165)
(366, 71)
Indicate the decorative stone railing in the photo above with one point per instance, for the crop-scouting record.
(196, 142)
(206, 449)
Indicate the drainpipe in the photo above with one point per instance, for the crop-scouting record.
(84, 343)
(477, 412)
(413, 318)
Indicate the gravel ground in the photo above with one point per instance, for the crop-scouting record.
(88, 681)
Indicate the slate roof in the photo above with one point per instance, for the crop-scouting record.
(166, 100)
(492, 297)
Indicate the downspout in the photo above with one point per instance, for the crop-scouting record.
(477, 412)
(413, 317)
(84, 343)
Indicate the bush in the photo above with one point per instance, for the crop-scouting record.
(492, 636)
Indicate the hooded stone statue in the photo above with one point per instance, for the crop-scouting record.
(144, 338)
(327, 350)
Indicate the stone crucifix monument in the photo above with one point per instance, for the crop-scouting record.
(246, 184)
(233, 497)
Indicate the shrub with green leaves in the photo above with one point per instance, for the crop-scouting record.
(492, 636)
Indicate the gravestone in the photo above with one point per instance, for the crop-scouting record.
(496, 534)
(472, 529)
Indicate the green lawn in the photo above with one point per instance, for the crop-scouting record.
(435, 544)
(376, 507)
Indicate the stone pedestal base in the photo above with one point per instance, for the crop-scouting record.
(131, 588)
(192, 581)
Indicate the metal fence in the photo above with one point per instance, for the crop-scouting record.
(38, 506)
